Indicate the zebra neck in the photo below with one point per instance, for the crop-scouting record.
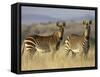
(62, 32)
(86, 33)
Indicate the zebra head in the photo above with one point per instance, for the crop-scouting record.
(86, 25)
(61, 26)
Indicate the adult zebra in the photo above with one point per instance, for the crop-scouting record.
(49, 43)
(79, 43)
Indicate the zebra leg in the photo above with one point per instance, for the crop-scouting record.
(32, 52)
(52, 51)
(73, 54)
(53, 54)
(26, 58)
(58, 46)
(68, 51)
(86, 47)
(55, 49)
(85, 54)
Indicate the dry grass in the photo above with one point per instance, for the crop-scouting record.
(45, 60)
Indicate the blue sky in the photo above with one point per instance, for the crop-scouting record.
(39, 14)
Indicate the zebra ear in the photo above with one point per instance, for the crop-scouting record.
(90, 22)
(61, 24)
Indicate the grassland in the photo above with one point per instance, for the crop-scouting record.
(45, 60)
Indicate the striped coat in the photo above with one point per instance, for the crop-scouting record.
(79, 43)
(49, 43)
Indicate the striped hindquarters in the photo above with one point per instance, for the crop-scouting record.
(29, 44)
(84, 44)
(67, 45)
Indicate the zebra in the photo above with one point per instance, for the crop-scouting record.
(79, 43)
(48, 43)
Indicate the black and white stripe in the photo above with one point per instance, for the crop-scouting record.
(43, 43)
(81, 44)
